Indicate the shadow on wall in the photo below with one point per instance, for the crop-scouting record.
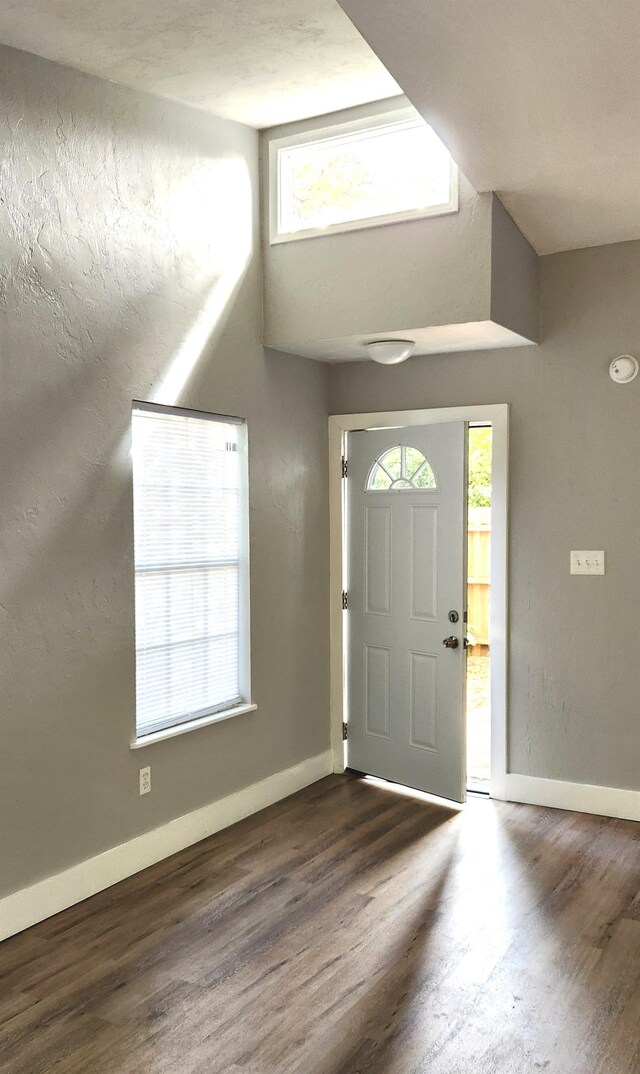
(292, 574)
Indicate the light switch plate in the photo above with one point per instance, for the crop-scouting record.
(587, 562)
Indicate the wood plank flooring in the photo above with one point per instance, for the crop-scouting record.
(351, 928)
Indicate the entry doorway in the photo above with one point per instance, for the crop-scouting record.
(406, 511)
(401, 425)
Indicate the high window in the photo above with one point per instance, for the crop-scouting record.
(191, 566)
(359, 174)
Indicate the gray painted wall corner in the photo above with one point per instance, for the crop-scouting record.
(515, 276)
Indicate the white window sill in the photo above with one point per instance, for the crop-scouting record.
(190, 725)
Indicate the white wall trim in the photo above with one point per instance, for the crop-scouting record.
(579, 797)
(56, 893)
(339, 426)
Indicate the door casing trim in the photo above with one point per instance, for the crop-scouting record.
(339, 426)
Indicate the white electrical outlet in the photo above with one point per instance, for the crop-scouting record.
(587, 562)
(144, 777)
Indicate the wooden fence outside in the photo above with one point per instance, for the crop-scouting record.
(479, 586)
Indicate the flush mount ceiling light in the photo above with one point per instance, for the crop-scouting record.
(624, 369)
(390, 351)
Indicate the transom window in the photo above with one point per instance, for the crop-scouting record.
(191, 566)
(401, 468)
(359, 174)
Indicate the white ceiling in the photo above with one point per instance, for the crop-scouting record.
(261, 62)
(538, 100)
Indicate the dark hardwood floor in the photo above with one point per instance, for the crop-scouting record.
(351, 928)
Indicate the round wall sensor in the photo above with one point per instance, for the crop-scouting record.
(623, 369)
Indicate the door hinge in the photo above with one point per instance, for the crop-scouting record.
(345, 732)
(345, 466)
(345, 600)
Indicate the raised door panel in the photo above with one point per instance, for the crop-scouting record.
(377, 560)
(423, 700)
(423, 574)
(377, 690)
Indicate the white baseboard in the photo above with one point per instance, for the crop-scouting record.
(56, 893)
(580, 797)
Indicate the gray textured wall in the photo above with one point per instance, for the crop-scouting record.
(575, 446)
(128, 227)
(412, 274)
(515, 287)
(415, 273)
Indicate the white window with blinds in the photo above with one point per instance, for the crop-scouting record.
(190, 496)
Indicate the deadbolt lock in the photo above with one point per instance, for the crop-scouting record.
(453, 617)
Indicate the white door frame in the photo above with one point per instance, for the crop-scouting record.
(339, 426)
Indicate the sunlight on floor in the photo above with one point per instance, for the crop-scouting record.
(412, 792)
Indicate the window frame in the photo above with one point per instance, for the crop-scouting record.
(323, 133)
(212, 714)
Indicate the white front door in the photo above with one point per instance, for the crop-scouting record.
(406, 553)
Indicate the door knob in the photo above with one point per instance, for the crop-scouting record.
(451, 642)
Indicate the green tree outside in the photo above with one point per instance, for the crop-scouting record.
(480, 466)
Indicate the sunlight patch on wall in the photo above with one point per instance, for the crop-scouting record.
(213, 223)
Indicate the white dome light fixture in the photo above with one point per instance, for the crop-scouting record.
(623, 369)
(390, 351)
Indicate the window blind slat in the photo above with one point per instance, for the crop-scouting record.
(187, 543)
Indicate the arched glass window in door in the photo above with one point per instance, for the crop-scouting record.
(401, 468)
